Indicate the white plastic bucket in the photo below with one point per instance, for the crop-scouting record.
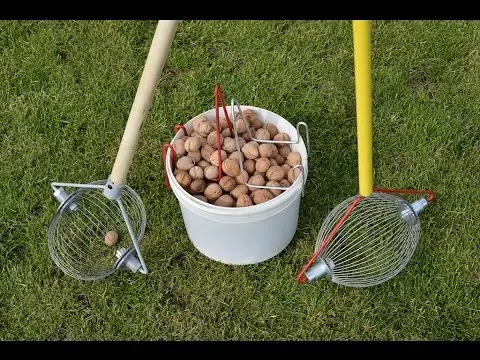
(244, 235)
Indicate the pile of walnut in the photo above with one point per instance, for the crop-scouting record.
(264, 164)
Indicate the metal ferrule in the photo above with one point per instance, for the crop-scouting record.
(318, 270)
(112, 191)
(411, 212)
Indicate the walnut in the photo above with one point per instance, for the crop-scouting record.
(274, 150)
(275, 173)
(240, 126)
(294, 158)
(281, 137)
(265, 150)
(239, 190)
(201, 197)
(203, 164)
(250, 151)
(223, 121)
(185, 163)
(229, 145)
(244, 200)
(279, 159)
(111, 238)
(197, 186)
(294, 174)
(211, 172)
(225, 201)
(179, 147)
(196, 156)
(262, 134)
(214, 157)
(212, 139)
(262, 195)
(196, 172)
(206, 151)
(262, 165)
(183, 179)
(242, 178)
(177, 171)
(247, 136)
(257, 124)
(249, 166)
(213, 123)
(272, 129)
(192, 144)
(200, 136)
(274, 192)
(286, 167)
(236, 156)
(197, 120)
(249, 115)
(231, 167)
(241, 142)
(213, 191)
(285, 183)
(284, 151)
(227, 183)
(204, 128)
(257, 180)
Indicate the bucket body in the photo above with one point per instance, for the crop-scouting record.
(246, 235)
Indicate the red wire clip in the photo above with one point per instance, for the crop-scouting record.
(218, 95)
(177, 127)
(430, 198)
(219, 98)
(172, 161)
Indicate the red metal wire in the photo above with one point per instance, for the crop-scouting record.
(301, 278)
(172, 160)
(431, 194)
(218, 95)
(177, 127)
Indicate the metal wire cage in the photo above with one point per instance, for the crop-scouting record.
(76, 237)
(373, 245)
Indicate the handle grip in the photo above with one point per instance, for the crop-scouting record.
(363, 92)
(157, 56)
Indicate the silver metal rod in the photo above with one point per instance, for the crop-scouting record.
(144, 269)
(247, 125)
(88, 186)
(237, 143)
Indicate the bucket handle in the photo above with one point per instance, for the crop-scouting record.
(165, 148)
(241, 160)
(219, 97)
(253, 138)
(178, 127)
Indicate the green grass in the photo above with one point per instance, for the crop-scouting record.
(66, 91)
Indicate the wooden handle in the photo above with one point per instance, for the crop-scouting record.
(157, 56)
(363, 90)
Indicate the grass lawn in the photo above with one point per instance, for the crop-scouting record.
(66, 91)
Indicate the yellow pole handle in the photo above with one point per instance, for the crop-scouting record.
(363, 93)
